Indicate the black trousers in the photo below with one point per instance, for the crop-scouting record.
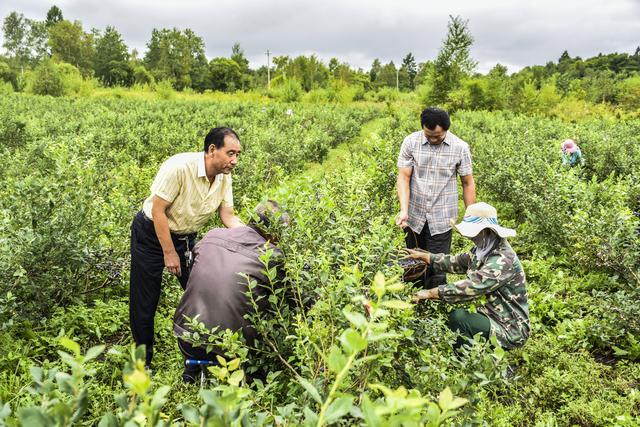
(440, 243)
(147, 265)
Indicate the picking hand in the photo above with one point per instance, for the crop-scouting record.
(421, 255)
(425, 294)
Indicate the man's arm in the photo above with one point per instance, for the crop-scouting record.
(468, 189)
(404, 179)
(161, 225)
(229, 217)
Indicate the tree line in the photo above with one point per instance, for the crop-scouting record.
(37, 49)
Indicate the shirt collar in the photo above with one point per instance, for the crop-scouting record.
(202, 170)
(424, 138)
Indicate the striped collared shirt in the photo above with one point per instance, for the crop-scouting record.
(433, 189)
(182, 180)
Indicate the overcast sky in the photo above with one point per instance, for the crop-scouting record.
(514, 33)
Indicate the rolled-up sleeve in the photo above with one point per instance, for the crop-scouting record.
(405, 158)
(464, 168)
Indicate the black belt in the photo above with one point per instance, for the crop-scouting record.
(183, 235)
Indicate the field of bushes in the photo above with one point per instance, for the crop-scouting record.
(75, 171)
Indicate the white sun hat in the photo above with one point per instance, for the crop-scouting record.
(479, 216)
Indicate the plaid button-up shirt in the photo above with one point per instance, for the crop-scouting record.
(433, 190)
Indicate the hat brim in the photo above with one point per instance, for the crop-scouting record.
(470, 229)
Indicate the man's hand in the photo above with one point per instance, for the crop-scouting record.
(401, 219)
(424, 256)
(425, 294)
(172, 262)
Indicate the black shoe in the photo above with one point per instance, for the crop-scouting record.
(191, 374)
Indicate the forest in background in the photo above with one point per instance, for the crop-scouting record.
(57, 56)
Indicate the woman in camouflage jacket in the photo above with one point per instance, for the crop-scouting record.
(493, 271)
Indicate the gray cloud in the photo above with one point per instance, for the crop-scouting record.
(356, 31)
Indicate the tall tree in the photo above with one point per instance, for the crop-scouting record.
(112, 59)
(333, 65)
(224, 74)
(237, 55)
(69, 43)
(454, 60)
(498, 88)
(38, 40)
(308, 70)
(409, 65)
(15, 29)
(177, 56)
(54, 15)
(386, 76)
(376, 66)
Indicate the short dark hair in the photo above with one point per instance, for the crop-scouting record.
(432, 117)
(266, 212)
(216, 137)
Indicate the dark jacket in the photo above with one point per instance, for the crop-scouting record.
(216, 288)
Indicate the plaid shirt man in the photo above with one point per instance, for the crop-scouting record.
(433, 189)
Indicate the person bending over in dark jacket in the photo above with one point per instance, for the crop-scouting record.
(216, 292)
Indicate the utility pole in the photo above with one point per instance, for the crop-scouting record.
(268, 70)
(397, 79)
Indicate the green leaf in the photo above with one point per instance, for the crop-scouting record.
(397, 304)
(221, 360)
(369, 412)
(336, 359)
(338, 408)
(445, 399)
(313, 392)
(234, 364)
(358, 320)
(160, 397)
(352, 341)
(191, 414)
(94, 352)
(236, 377)
(447, 402)
(108, 420)
(458, 402)
(433, 413)
(619, 352)
(310, 417)
(34, 417)
(378, 285)
(70, 345)
(499, 353)
(377, 336)
(138, 380)
(395, 287)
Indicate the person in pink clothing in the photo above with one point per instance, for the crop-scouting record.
(571, 154)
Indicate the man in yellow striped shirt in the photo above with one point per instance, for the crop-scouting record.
(188, 189)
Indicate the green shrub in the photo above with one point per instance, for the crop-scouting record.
(46, 79)
(289, 91)
(142, 77)
(164, 90)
